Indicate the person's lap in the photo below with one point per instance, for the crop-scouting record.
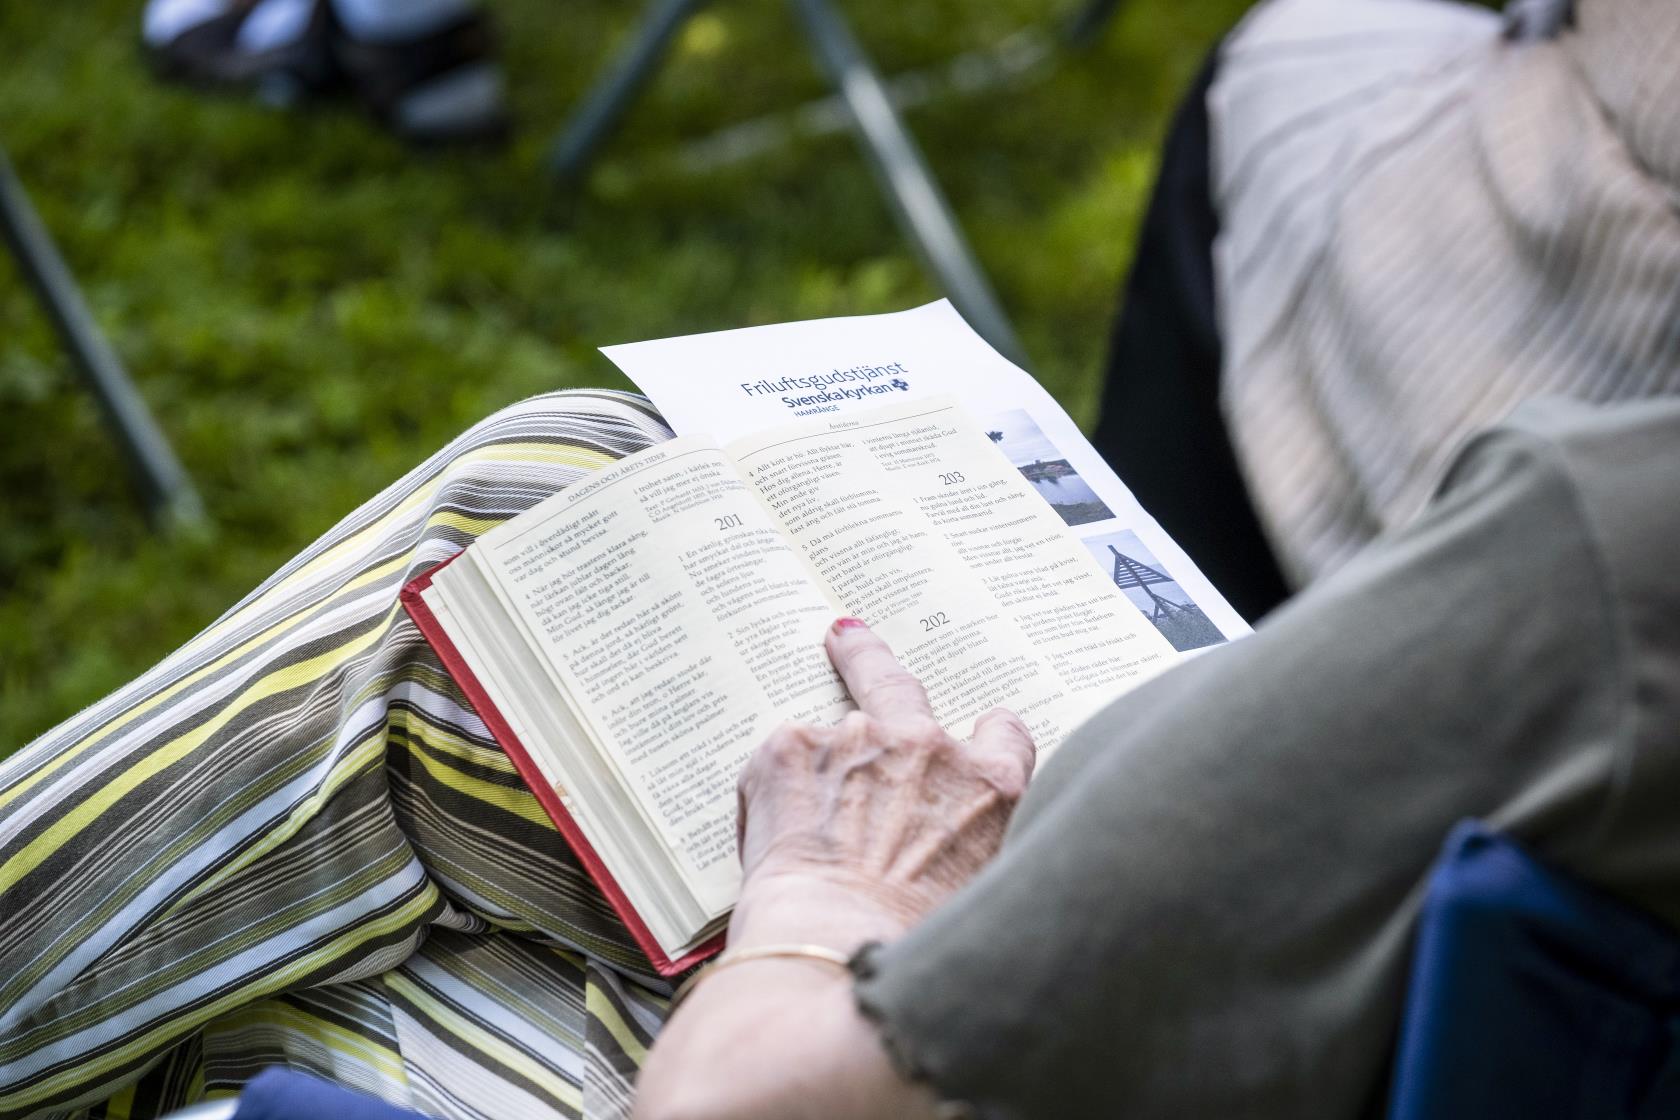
(293, 841)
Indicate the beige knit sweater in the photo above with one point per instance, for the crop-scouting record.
(1424, 223)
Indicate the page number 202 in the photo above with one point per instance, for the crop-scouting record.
(935, 620)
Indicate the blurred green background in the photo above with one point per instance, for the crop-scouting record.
(310, 308)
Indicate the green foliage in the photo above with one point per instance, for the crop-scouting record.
(310, 309)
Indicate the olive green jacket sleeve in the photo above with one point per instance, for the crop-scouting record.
(1205, 903)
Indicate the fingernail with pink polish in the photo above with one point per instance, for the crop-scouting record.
(848, 623)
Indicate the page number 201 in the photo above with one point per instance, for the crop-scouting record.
(733, 521)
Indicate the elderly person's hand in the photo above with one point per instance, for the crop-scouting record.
(868, 825)
(847, 834)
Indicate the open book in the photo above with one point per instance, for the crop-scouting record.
(631, 640)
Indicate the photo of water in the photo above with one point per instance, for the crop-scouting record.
(1046, 468)
(1066, 490)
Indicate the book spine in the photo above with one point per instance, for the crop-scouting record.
(438, 638)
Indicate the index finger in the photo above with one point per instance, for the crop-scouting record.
(881, 686)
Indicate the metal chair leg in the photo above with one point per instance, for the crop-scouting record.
(909, 186)
(607, 101)
(164, 486)
(1089, 22)
(917, 202)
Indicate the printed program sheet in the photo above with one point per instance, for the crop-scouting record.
(730, 385)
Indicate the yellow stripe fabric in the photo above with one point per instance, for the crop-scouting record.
(295, 842)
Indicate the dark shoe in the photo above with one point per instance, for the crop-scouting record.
(445, 87)
(208, 55)
(442, 88)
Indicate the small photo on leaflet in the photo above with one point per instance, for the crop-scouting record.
(1151, 588)
(1046, 468)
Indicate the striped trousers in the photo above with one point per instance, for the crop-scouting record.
(293, 842)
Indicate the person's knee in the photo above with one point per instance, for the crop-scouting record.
(537, 446)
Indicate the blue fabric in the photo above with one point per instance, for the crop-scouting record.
(282, 1094)
(1536, 996)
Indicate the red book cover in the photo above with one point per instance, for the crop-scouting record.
(486, 709)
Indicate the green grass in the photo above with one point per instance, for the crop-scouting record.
(310, 309)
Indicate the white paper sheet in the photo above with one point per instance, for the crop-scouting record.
(729, 384)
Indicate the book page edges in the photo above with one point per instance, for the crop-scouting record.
(432, 630)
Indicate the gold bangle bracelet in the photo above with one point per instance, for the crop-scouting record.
(819, 953)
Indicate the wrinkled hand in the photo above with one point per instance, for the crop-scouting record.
(857, 831)
(847, 834)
